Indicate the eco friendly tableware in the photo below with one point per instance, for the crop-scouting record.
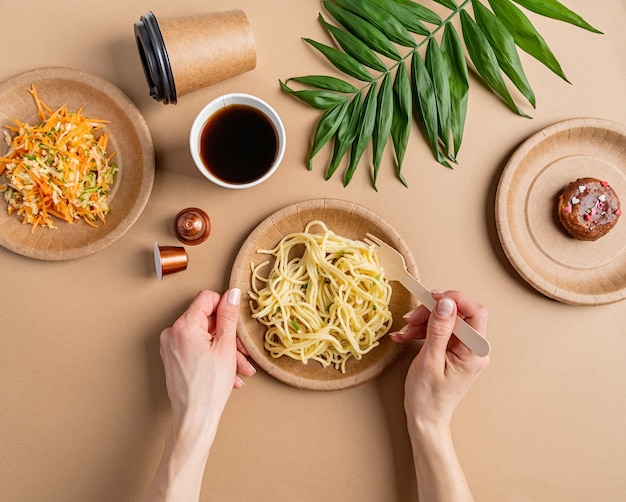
(556, 265)
(182, 55)
(347, 219)
(237, 141)
(395, 267)
(129, 138)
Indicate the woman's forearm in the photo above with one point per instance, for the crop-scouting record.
(202, 365)
(439, 475)
(180, 471)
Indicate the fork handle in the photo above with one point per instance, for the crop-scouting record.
(471, 338)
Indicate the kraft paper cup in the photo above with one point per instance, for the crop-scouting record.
(182, 55)
(218, 104)
(169, 260)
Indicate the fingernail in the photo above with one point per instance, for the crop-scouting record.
(252, 367)
(437, 291)
(241, 382)
(400, 332)
(234, 296)
(403, 330)
(445, 307)
(408, 315)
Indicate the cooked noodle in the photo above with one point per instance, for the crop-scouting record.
(325, 298)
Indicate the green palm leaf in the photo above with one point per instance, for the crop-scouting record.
(423, 90)
(391, 27)
(558, 11)
(364, 133)
(485, 60)
(459, 83)
(421, 12)
(346, 133)
(438, 70)
(525, 34)
(382, 126)
(341, 61)
(503, 45)
(411, 20)
(386, 101)
(317, 99)
(450, 4)
(401, 121)
(326, 129)
(325, 82)
(364, 30)
(354, 47)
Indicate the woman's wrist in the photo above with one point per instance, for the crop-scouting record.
(437, 469)
(194, 431)
(427, 420)
(428, 432)
(187, 445)
(180, 471)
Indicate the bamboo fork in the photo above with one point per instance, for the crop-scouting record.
(395, 267)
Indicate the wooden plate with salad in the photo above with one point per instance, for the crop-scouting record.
(76, 163)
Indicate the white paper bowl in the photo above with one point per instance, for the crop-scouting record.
(217, 104)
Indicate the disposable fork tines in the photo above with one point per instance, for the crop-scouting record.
(395, 266)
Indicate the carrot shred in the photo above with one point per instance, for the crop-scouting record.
(58, 168)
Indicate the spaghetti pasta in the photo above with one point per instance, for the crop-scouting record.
(325, 298)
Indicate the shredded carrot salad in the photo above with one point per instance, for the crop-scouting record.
(57, 168)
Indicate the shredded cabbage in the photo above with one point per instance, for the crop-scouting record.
(58, 168)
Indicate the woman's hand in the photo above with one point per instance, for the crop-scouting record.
(444, 369)
(202, 358)
(437, 379)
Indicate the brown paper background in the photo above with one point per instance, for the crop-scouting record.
(83, 407)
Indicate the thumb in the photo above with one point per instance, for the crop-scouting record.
(440, 325)
(227, 316)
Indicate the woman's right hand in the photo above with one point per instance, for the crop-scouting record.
(444, 369)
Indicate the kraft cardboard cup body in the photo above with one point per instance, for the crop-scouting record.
(220, 104)
(182, 55)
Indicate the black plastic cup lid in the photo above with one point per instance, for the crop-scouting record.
(154, 59)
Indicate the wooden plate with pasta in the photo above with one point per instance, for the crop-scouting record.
(345, 219)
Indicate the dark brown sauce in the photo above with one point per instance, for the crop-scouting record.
(238, 144)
